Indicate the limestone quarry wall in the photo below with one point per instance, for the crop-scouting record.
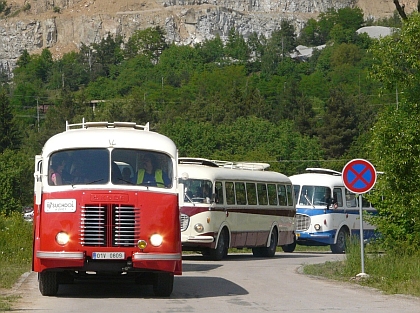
(62, 25)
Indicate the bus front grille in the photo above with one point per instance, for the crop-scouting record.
(302, 222)
(109, 226)
(185, 221)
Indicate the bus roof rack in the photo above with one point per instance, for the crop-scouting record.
(319, 170)
(85, 125)
(197, 161)
(253, 166)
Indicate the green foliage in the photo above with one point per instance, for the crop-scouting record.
(249, 139)
(394, 272)
(10, 137)
(15, 248)
(149, 42)
(337, 25)
(395, 141)
(16, 181)
(395, 138)
(396, 62)
(236, 47)
(3, 5)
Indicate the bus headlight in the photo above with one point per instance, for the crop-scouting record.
(199, 228)
(317, 227)
(156, 240)
(62, 238)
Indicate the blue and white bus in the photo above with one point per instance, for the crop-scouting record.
(326, 212)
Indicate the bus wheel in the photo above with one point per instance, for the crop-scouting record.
(163, 284)
(290, 247)
(340, 246)
(222, 247)
(270, 251)
(48, 283)
(257, 252)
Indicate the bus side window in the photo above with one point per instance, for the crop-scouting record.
(351, 200)
(282, 194)
(251, 193)
(272, 194)
(230, 193)
(262, 194)
(289, 191)
(219, 192)
(240, 193)
(296, 189)
(338, 197)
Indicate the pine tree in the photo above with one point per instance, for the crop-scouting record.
(10, 138)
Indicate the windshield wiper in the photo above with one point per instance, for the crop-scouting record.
(188, 197)
(309, 201)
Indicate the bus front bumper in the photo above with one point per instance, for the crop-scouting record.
(320, 237)
(196, 239)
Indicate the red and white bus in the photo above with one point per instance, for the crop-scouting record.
(93, 216)
(235, 205)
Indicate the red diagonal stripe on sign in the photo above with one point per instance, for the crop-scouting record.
(359, 176)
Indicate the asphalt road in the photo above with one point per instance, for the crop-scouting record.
(240, 283)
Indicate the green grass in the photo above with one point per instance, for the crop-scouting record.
(391, 272)
(15, 254)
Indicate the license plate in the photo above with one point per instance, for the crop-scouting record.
(108, 255)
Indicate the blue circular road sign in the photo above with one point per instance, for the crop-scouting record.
(359, 176)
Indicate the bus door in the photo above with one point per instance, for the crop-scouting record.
(338, 211)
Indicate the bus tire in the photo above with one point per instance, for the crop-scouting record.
(163, 284)
(340, 246)
(270, 251)
(290, 247)
(222, 247)
(48, 283)
(257, 252)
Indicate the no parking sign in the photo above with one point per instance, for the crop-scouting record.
(359, 176)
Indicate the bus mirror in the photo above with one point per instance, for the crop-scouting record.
(38, 179)
(184, 176)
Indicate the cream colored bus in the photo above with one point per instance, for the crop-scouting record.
(235, 205)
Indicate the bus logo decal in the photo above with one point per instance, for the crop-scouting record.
(105, 197)
(60, 205)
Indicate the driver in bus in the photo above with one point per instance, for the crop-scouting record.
(151, 175)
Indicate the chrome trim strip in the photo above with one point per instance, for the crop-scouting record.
(157, 256)
(60, 255)
(197, 239)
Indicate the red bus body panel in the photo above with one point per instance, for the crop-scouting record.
(156, 213)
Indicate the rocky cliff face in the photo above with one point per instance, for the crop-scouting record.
(62, 25)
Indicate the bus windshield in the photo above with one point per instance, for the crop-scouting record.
(315, 195)
(101, 166)
(198, 190)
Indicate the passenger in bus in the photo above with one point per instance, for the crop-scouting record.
(77, 173)
(206, 193)
(126, 175)
(151, 175)
(56, 171)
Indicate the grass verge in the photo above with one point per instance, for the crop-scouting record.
(391, 272)
(16, 255)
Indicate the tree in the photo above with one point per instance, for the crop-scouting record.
(395, 143)
(396, 138)
(107, 53)
(211, 50)
(236, 47)
(150, 42)
(339, 127)
(10, 138)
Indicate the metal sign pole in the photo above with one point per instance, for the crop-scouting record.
(362, 246)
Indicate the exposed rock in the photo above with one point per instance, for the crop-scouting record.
(62, 25)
